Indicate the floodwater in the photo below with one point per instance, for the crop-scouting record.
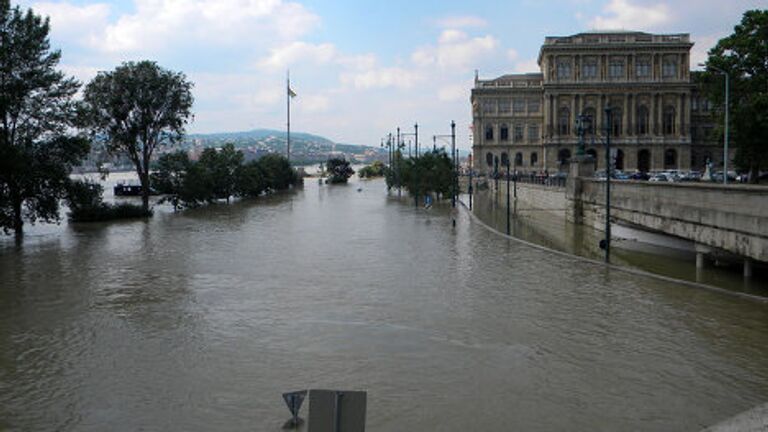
(199, 320)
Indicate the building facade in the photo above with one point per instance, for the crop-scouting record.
(659, 121)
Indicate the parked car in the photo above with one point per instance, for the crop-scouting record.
(639, 175)
(660, 177)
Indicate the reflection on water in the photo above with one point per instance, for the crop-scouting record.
(199, 320)
(550, 229)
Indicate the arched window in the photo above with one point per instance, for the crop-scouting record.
(504, 133)
(593, 153)
(668, 121)
(504, 159)
(489, 159)
(642, 120)
(489, 133)
(564, 121)
(616, 121)
(534, 158)
(589, 121)
(670, 159)
(643, 160)
(518, 159)
(563, 156)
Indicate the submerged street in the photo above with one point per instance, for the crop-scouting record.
(199, 320)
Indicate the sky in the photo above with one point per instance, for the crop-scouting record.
(360, 68)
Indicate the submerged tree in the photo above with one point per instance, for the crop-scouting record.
(37, 148)
(339, 170)
(136, 108)
(744, 57)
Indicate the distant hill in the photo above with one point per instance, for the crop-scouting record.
(305, 148)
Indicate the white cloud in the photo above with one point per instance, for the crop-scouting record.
(382, 78)
(512, 54)
(701, 46)
(158, 24)
(70, 21)
(622, 14)
(283, 56)
(461, 21)
(312, 103)
(526, 66)
(454, 92)
(455, 50)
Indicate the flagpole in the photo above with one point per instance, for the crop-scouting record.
(288, 97)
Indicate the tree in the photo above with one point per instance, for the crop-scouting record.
(220, 168)
(376, 169)
(37, 148)
(744, 56)
(250, 180)
(431, 172)
(339, 170)
(278, 172)
(136, 108)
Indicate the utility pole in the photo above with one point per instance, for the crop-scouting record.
(455, 163)
(608, 171)
(416, 133)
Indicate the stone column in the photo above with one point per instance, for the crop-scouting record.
(599, 114)
(652, 116)
(625, 116)
(686, 114)
(573, 116)
(678, 115)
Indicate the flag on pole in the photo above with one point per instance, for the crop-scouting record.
(291, 93)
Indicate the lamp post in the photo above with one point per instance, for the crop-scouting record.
(507, 164)
(470, 182)
(454, 162)
(727, 109)
(608, 170)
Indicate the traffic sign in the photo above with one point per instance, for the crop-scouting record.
(294, 401)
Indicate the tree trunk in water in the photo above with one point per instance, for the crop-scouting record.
(144, 191)
(18, 222)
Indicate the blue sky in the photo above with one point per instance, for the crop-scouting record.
(360, 68)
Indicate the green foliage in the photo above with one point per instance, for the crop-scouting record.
(339, 170)
(250, 180)
(37, 148)
(84, 199)
(219, 175)
(744, 56)
(136, 108)
(278, 172)
(431, 172)
(376, 169)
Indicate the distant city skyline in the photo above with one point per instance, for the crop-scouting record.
(360, 68)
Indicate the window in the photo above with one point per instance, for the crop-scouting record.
(589, 121)
(504, 159)
(643, 68)
(534, 106)
(642, 120)
(616, 69)
(489, 107)
(489, 159)
(564, 121)
(669, 68)
(616, 121)
(534, 158)
(518, 133)
(668, 120)
(504, 133)
(533, 133)
(504, 106)
(705, 105)
(518, 106)
(518, 159)
(489, 133)
(589, 70)
(563, 155)
(564, 69)
(695, 103)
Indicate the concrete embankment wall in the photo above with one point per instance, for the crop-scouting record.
(733, 218)
(532, 196)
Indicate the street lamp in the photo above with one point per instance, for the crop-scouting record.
(727, 109)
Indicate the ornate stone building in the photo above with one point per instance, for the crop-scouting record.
(659, 120)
